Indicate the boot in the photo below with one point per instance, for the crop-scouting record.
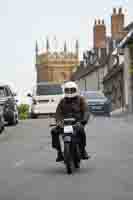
(84, 155)
(59, 156)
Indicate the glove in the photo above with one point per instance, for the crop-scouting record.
(60, 124)
(83, 122)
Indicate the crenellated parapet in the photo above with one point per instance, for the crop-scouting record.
(57, 57)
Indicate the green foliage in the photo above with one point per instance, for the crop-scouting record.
(23, 110)
(131, 69)
(130, 45)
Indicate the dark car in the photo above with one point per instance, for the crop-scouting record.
(97, 102)
(2, 124)
(8, 104)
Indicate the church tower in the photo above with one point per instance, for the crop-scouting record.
(56, 66)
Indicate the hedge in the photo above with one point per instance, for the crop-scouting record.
(23, 111)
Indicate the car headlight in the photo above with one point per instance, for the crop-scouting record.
(107, 102)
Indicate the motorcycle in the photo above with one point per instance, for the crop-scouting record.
(71, 142)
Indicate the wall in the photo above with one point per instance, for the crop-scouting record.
(94, 80)
(129, 84)
(89, 82)
(115, 87)
(126, 76)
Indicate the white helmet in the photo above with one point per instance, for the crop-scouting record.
(70, 89)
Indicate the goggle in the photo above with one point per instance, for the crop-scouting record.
(70, 90)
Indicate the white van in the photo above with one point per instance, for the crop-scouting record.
(45, 98)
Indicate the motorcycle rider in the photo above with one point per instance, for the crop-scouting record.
(74, 106)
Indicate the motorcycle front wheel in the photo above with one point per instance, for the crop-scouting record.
(67, 157)
(77, 157)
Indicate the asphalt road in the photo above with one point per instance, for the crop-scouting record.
(28, 170)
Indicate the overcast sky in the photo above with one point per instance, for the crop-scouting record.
(22, 22)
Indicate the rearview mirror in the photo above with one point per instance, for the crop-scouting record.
(29, 95)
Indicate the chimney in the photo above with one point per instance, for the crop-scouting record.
(117, 24)
(99, 34)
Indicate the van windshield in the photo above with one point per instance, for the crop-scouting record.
(2, 92)
(53, 89)
(93, 95)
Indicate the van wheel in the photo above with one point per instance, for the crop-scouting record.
(2, 129)
(12, 122)
(33, 116)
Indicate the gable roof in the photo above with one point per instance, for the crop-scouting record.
(126, 39)
(84, 71)
(129, 27)
(113, 72)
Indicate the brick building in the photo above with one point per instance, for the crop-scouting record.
(91, 72)
(103, 66)
(117, 80)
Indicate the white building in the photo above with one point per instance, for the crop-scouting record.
(91, 76)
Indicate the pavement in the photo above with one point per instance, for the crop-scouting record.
(28, 170)
(122, 113)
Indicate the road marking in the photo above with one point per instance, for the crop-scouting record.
(19, 163)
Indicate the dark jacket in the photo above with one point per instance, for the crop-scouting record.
(73, 107)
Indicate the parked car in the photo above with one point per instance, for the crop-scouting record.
(9, 105)
(2, 124)
(45, 98)
(97, 102)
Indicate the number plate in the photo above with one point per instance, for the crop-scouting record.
(68, 129)
(97, 107)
